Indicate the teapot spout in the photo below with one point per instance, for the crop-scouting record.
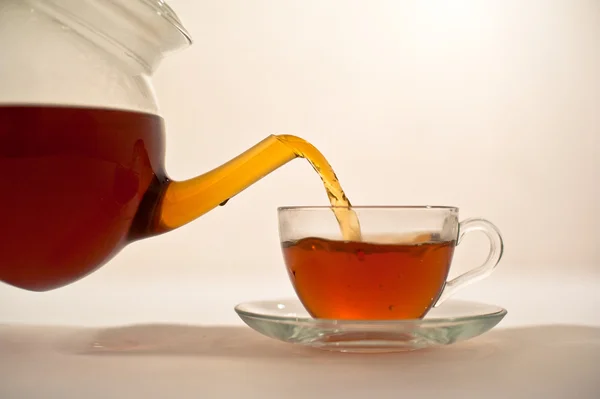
(185, 201)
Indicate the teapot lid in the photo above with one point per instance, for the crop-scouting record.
(145, 30)
(164, 10)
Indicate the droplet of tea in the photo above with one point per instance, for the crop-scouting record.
(360, 254)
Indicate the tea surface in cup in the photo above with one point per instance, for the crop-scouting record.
(367, 281)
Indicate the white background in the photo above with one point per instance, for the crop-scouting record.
(490, 106)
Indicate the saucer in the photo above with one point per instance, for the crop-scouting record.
(453, 321)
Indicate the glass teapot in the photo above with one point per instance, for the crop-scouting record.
(82, 143)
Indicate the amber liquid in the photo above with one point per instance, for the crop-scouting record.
(81, 183)
(185, 201)
(346, 217)
(369, 281)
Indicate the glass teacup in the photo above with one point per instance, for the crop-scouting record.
(399, 269)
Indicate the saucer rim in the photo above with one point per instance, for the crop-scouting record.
(500, 312)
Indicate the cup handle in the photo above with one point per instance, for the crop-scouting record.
(481, 272)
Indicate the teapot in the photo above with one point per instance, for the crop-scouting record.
(82, 143)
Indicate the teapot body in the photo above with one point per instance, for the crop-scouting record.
(82, 144)
(81, 139)
(75, 179)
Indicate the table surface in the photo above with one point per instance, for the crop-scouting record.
(547, 346)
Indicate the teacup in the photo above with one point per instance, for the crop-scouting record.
(398, 270)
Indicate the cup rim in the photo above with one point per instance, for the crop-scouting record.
(372, 207)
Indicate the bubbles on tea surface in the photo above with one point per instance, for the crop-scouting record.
(310, 244)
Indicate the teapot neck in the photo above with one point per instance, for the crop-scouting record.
(139, 32)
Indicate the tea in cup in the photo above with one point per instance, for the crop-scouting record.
(398, 270)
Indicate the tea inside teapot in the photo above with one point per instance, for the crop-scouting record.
(74, 188)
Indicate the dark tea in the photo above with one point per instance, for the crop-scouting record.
(72, 182)
(368, 281)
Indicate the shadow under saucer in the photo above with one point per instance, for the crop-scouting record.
(241, 342)
(155, 360)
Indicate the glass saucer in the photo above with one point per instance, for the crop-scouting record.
(453, 321)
